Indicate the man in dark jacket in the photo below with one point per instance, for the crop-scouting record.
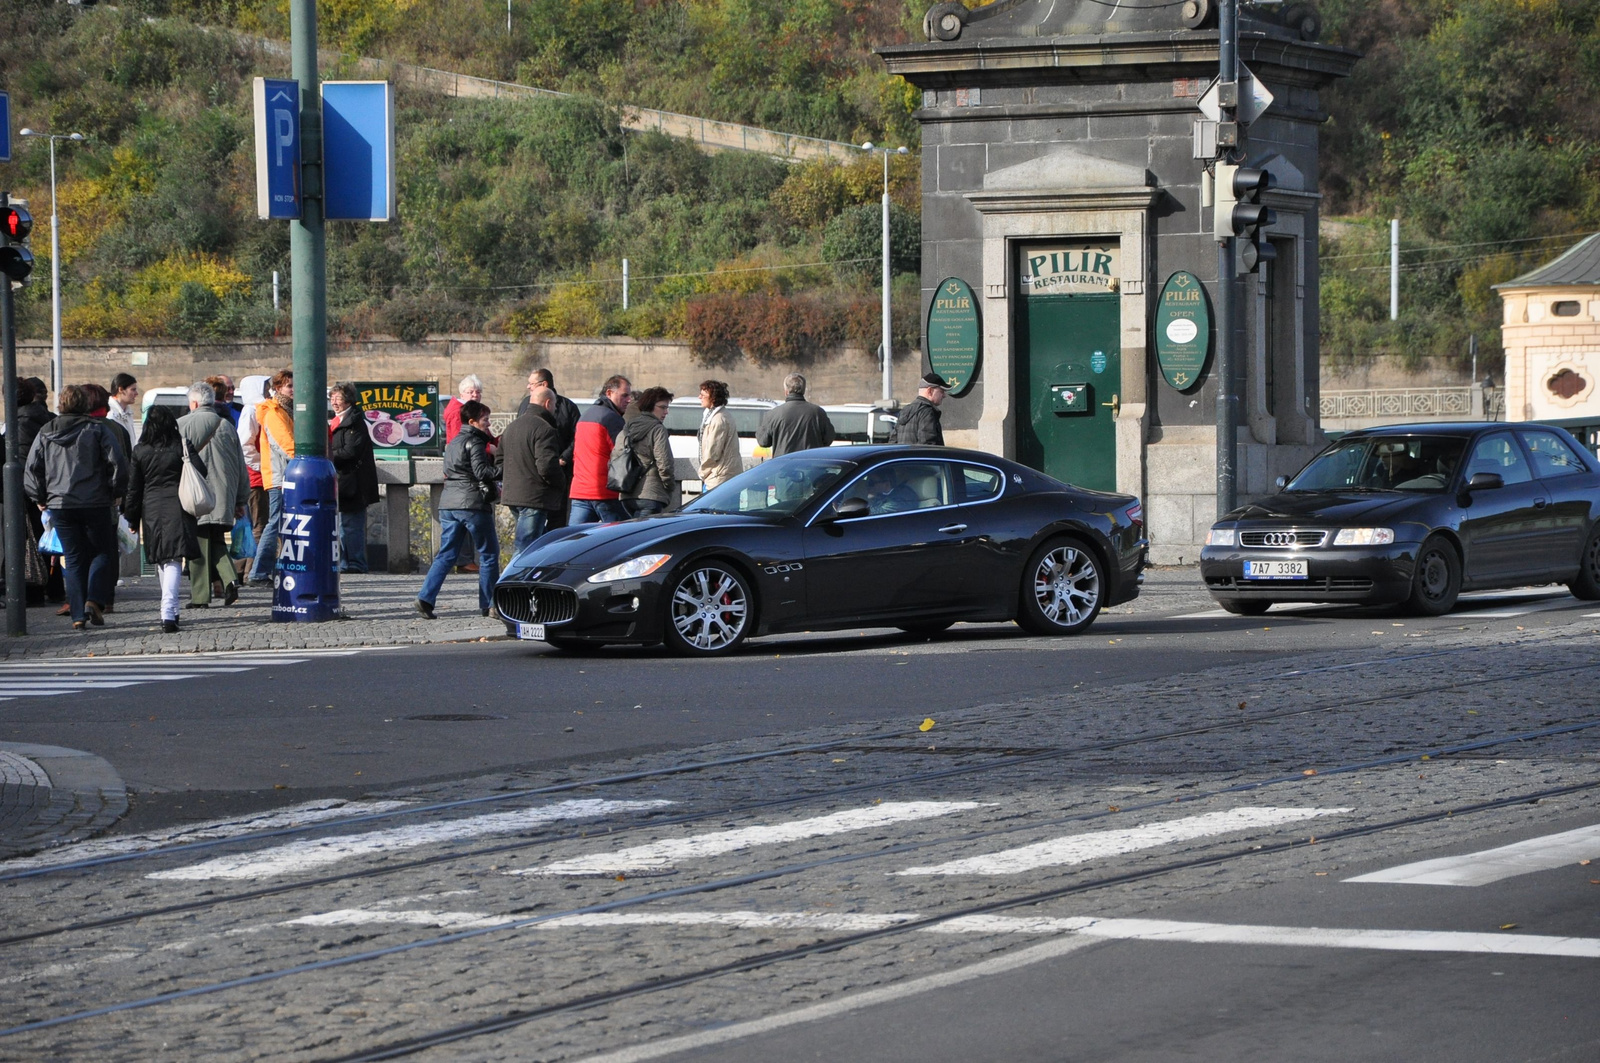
(350, 450)
(566, 414)
(466, 509)
(33, 415)
(597, 433)
(794, 424)
(75, 469)
(919, 421)
(532, 481)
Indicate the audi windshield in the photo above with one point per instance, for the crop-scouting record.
(1384, 463)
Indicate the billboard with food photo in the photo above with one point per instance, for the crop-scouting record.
(403, 416)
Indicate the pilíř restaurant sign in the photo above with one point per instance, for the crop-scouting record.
(403, 418)
(1072, 269)
(1183, 330)
(953, 333)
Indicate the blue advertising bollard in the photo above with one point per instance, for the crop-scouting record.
(306, 586)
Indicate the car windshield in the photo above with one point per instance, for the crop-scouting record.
(780, 486)
(1384, 463)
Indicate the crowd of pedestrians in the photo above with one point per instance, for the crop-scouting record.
(97, 465)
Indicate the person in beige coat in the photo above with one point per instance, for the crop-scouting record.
(720, 460)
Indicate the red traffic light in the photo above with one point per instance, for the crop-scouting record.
(16, 262)
(15, 223)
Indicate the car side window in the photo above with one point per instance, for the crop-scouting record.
(902, 487)
(1499, 453)
(977, 483)
(1552, 456)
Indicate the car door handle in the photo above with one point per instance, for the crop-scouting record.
(953, 529)
(1540, 503)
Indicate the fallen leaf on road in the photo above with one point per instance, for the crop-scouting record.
(1320, 874)
(1309, 771)
(927, 725)
(1585, 863)
(1113, 808)
(1508, 926)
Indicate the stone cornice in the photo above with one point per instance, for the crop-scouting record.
(1177, 105)
(1110, 57)
(1052, 200)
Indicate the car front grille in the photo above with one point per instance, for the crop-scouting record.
(1299, 586)
(1288, 539)
(523, 603)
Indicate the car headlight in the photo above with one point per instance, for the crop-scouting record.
(637, 568)
(1220, 537)
(1364, 537)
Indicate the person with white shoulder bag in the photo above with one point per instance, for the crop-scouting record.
(154, 502)
(212, 436)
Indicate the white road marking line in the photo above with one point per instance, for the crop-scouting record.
(1078, 933)
(665, 854)
(50, 677)
(1278, 608)
(1081, 848)
(308, 853)
(1492, 865)
(310, 812)
(408, 917)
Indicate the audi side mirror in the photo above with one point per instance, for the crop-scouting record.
(846, 509)
(1485, 481)
(1281, 482)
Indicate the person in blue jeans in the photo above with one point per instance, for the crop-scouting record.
(466, 510)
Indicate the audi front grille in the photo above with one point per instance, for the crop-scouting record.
(1282, 540)
(523, 603)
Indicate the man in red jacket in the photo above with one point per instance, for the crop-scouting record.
(597, 433)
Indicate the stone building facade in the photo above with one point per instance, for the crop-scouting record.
(1065, 181)
(1551, 335)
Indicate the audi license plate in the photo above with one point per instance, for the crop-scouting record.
(1275, 570)
(530, 631)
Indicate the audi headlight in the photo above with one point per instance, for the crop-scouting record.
(1220, 537)
(1364, 537)
(637, 568)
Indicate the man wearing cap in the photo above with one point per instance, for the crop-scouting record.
(919, 422)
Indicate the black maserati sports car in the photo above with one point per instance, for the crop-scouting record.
(895, 536)
(1416, 514)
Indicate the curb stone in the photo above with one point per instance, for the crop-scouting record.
(51, 795)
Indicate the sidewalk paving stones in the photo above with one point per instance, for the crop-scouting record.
(50, 795)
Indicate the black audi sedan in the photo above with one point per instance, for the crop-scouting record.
(1416, 514)
(895, 536)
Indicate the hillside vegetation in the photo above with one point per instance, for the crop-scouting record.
(1473, 121)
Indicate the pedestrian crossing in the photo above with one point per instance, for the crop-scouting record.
(1569, 848)
(72, 675)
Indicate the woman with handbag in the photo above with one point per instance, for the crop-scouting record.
(644, 433)
(171, 534)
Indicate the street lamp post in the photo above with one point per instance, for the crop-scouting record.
(888, 322)
(56, 371)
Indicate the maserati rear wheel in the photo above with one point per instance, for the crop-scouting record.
(710, 610)
(1062, 589)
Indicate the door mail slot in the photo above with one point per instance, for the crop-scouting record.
(1070, 399)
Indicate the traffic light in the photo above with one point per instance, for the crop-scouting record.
(1240, 217)
(16, 261)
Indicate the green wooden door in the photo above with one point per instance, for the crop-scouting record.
(1068, 376)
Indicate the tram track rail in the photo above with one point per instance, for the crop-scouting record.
(1433, 753)
(1002, 762)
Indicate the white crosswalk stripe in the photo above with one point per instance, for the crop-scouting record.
(1082, 848)
(311, 853)
(1492, 865)
(69, 675)
(664, 855)
(1514, 607)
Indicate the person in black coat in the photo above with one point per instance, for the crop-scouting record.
(564, 413)
(919, 421)
(170, 535)
(33, 415)
(350, 450)
(533, 483)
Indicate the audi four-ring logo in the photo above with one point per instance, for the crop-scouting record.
(1278, 539)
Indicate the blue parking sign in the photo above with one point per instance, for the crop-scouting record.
(277, 106)
(5, 127)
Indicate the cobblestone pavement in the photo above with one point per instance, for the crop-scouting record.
(1285, 774)
(379, 612)
(54, 796)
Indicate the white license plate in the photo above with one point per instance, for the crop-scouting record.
(530, 631)
(1275, 570)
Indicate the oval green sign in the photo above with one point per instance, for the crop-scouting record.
(953, 333)
(1183, 330)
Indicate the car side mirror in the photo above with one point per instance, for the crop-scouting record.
(1281, 482)
(846, 509)
(1485, 481)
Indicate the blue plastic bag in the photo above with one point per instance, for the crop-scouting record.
(242, 541)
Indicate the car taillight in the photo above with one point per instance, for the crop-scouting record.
(1134, 513)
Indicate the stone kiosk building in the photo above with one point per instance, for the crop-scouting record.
(1551, 334)
(1065, 181)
